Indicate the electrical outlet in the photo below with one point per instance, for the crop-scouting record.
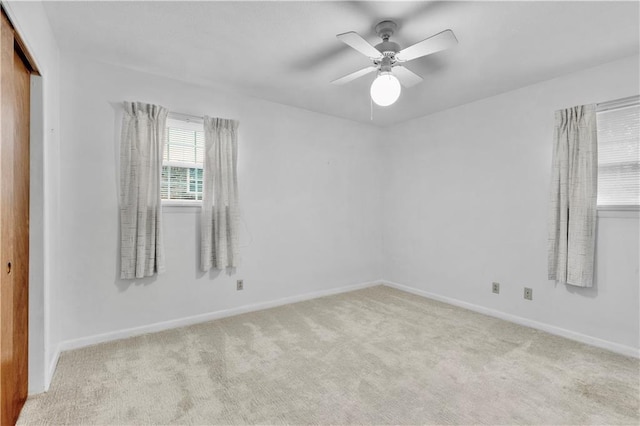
(240, 285)
(495, 287)
(528, 293)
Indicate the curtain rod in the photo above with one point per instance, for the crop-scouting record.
(186, 117)
(618, 103)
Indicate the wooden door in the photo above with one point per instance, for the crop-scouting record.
(15, 74)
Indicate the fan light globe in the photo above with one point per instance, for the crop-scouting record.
(385, 89)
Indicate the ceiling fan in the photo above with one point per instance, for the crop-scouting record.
(387, 58)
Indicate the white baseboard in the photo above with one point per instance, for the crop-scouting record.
(48, 377)
(582, 338)
(182, 322)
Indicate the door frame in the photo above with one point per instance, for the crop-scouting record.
(40, 42)
(13, 42)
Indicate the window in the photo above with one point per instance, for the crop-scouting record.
(619, 155)
(182, 162)
(195, 181)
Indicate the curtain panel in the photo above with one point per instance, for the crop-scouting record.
(141, 148)
(219, 218)
(573, 197)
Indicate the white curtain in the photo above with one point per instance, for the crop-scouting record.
(141, 146)
(219, 226)
(574, 182)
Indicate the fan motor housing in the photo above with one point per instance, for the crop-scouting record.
(385, 29)
(387, 47)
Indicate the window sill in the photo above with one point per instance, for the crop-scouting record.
(629, 212)
(181, 206)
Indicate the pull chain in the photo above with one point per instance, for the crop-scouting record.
(371, 105)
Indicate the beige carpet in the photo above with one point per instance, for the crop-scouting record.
(373, 356)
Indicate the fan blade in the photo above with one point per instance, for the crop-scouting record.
(350, 77)
(407, 77)
(354, 40)
(433, 44)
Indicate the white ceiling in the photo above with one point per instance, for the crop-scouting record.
(287, 51)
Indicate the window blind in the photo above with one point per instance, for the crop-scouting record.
(183, 158)
(619, 156)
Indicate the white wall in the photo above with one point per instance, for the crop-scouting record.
(30, 21)
(309, 195)
(465, 204)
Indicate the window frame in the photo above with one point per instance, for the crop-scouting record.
(611, 210)
(197, 123)
(194, 180)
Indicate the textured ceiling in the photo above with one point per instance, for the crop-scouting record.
(287, 52)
